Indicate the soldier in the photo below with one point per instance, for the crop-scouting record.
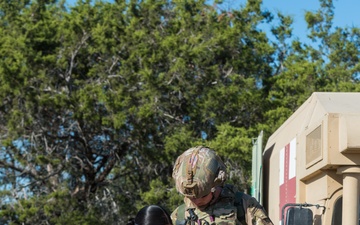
(200, 176)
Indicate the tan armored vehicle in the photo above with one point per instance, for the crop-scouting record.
(311, 164)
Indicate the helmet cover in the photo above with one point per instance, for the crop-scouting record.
(198, 171)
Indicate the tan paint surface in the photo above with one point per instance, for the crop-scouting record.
(327, 131)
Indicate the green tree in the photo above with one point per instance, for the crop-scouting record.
(98, 99)
(329, 64)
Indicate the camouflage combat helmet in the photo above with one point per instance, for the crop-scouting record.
(198, 171)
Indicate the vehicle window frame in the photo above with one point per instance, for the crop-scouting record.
(327, 218)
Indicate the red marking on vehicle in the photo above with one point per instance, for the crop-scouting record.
(287, 184)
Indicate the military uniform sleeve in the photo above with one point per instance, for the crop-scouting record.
(255, 213)
(174, 216)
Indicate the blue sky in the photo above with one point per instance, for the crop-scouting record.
(346, 11)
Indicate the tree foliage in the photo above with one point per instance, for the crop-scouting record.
(98, 99)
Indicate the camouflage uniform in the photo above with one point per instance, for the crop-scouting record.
(197, 172)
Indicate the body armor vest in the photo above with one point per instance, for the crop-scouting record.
(228, 210)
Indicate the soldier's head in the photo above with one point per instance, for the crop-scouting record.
(198, 171)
